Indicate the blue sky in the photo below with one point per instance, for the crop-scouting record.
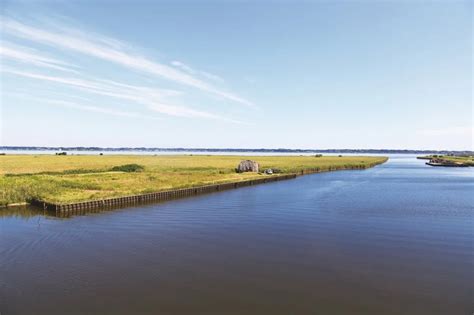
(268, 74)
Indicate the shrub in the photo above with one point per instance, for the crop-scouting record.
(129, 168)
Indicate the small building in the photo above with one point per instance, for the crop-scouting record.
(247, 166)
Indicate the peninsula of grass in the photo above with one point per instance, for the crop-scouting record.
(449, 160)
(73, 178)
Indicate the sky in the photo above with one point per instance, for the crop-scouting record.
(237, 74)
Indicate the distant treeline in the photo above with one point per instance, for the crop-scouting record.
(280, 150)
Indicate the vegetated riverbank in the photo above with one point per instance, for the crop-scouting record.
(448, 160)
(66, 179)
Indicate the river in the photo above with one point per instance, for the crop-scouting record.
(394, 239)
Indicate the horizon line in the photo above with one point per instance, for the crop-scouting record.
(204, 149)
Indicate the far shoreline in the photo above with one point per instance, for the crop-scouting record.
(238, 151)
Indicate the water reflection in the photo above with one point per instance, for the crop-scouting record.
(24, 212)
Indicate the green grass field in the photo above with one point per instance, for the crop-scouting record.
(72, 178)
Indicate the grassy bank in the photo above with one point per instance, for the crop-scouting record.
(463, 160)
(63, 179)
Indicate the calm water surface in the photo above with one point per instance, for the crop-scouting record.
(395, 239)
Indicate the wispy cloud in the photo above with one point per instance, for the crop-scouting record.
(107, 49)
(183, 66)
(96, 109)
(80, 103)
(153, 99)
(30, 56)
(211, 76)
(192, 71)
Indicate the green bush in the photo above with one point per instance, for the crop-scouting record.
(129, 168)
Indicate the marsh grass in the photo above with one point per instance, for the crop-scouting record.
(467, 160)
(64, 179)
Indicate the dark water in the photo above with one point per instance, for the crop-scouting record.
(396, 239)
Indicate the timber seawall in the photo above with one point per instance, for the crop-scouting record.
(80, 208)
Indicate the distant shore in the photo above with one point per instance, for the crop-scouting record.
(231, 150)
(448, 160)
